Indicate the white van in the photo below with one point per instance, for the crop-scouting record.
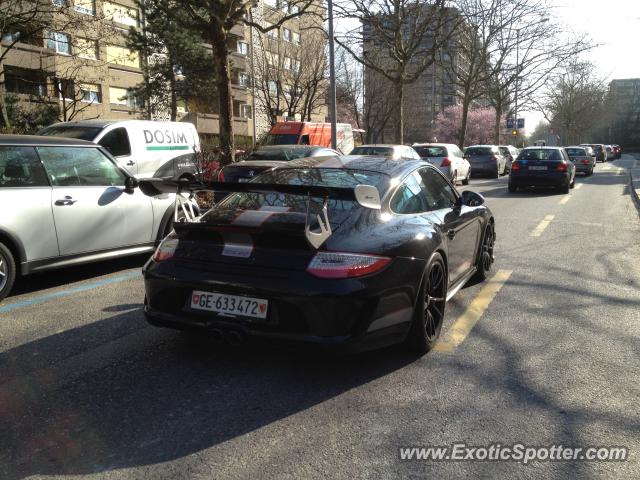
(144, 148)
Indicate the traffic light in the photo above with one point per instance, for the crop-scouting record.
(514, 133)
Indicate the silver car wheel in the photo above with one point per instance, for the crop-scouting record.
(4, 274)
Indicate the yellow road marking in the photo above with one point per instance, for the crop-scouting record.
(542, 225)
(579, 186)
(465, 323)
(564, 200)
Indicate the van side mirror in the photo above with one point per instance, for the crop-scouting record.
(471, 199)
(130, 183)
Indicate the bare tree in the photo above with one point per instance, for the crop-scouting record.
(398, 41)
(349, 88)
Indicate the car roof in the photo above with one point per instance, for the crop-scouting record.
(288, 147)
(390, 145)
(488, 146)
(433, 144)
(542, 147)
(359, 162)
(40, 141)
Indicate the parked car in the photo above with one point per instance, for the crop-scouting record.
(542, 167)
(447, 158)
(144, 148)
(270, 156)
(393, 152)
(67, 202)
(395, 242)
(510, 153)
(582, 159)
(486, 160)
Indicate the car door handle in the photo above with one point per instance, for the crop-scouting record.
(130, 163)
(67, 200)
(451, 234)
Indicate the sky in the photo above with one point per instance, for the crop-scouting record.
(614, 25)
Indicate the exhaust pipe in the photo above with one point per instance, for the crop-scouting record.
(216, 335)
(234, 338)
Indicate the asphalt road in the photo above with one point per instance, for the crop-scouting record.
(88, 390)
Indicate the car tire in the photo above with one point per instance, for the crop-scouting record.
(466, 179)
(429, 309)
(496, 174)
(512, 188)
(454, 178)
(485, 256)
(565, 188)
(573, 182)
(7, 271)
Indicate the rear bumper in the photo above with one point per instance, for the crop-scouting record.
(349, 314)
(533, 180)
(582, 168)
(483, 168)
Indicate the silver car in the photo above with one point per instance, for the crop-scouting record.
(394, 152)
(447, 158)
(66, 202)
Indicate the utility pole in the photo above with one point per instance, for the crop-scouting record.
(332, 78)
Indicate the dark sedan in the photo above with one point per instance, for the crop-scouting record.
(542, 167)
(352, 253)
(486, 160)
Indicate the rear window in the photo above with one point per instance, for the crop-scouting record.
(381, 151)
(479, 151)
(71, 131)
(576, 152)
(543, 154)
(21, 167)
(329, 177)
(281, 139)
(428, 152)
(282, 155)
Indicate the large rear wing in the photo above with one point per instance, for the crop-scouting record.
(366, 196)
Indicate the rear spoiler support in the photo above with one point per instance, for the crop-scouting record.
(366, 196)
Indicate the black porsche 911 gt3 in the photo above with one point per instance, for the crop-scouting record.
(349, 252)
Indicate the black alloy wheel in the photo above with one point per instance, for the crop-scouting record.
(7, 271)
(430, 307)
(485, 257)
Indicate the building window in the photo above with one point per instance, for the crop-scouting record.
(273, 87)
(65, 89)
(295, 37)
(59, 42)
(243, 80)
(26, 81)
(59, 3)
(286, 34)
(287, 63)
(120, 14)
(86, 48)
(88, 7)
(11, 37)
(122, 56)
(91, 93)
(125, 97)
(272, 58)
(245, 110)
(295, 65)
(294, 8)
(273, 33)
(243, 48)
(271, 3)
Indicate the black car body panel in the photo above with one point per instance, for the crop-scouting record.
(542, 167)
(347, 313)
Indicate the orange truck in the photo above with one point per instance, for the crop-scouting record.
(310, 133)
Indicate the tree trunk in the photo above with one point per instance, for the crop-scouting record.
(463, 128)
(400, 124)
(173, 106)
(225, 99)
(498, 126)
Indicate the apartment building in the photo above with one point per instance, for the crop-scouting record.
(81, 63)
(624, 112)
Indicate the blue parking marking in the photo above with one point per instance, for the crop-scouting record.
(67, 292)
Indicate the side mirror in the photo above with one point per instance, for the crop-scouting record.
(130, 183)
(471, 199)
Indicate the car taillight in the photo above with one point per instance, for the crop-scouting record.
(221, 175)
(345, 265)
(562, 167)
(445, 162)
(515, 166)
(166, 249)
(585, 162)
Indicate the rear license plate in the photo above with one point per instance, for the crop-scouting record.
(537, 167)
(243, 180)
(230, 304)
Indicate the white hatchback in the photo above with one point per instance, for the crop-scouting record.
(447, 157)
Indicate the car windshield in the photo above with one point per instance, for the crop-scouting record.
(428, 152)
(281, 139)
(478, 151)
(543, 154)
(280, 154)
(576, 152)
(327, 177)
(381, 151)
(71, 131)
